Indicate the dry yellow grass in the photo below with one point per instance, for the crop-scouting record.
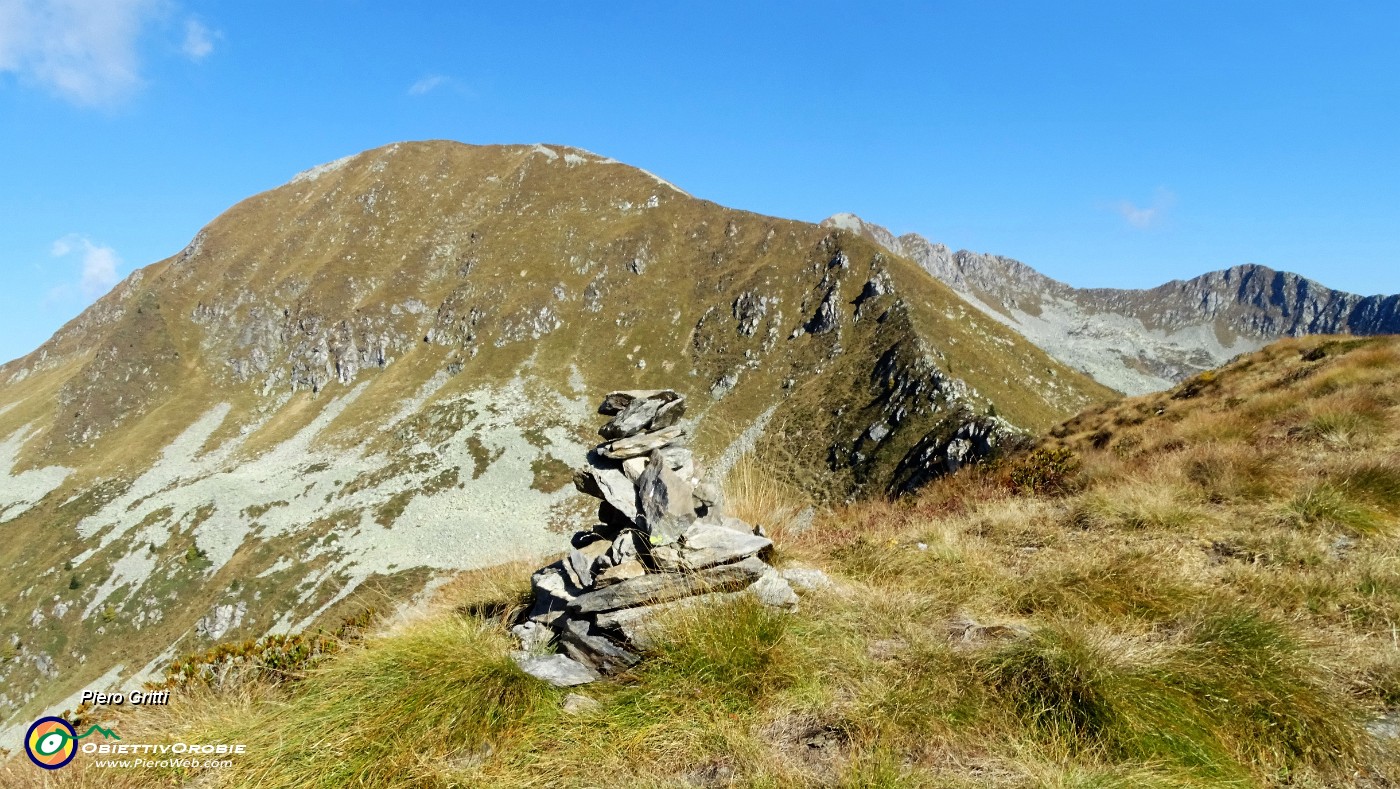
(1210, 596)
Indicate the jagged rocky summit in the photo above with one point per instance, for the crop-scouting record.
(664, 540)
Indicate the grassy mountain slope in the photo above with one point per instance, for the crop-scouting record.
(1194, 588)
(382, 372)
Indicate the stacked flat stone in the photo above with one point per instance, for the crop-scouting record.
(663, 540)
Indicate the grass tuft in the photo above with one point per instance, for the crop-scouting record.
(440, 691)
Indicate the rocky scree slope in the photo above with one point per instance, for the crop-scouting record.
(1140, 341)
(340, 384)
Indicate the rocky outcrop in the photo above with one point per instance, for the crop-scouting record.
(663, 541)
(965, 439)
(1138, 341)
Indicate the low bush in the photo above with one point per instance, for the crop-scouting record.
(1044, 472)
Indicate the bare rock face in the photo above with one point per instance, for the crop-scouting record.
(678, 548)
(221, 620)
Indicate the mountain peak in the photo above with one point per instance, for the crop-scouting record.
(565, 156)
(380, 372)
(867, 230)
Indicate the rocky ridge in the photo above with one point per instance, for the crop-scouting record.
(1140, 341)
(664, 541)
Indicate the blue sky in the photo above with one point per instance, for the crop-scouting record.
(1105, 143)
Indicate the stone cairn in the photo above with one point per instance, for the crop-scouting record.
(664, 541)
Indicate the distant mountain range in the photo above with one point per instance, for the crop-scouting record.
(1139, 341)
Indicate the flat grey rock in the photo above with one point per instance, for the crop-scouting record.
(807, 579)
(633, 419)
(772, 590)
(704, 545)
(637, 624)
(664, 587)
(641, 444)
(732, 523)
(579, 704)
(560, 671)
(606, 480)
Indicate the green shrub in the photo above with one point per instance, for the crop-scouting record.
(1045, 472)
(275, 658)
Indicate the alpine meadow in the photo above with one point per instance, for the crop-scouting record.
(740, 396)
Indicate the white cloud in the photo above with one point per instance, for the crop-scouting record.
(427, 84)
(99, 266)
(1149, 216)
(199, 40)
(84, 50)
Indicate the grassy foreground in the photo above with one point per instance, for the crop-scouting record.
(1196, 588)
